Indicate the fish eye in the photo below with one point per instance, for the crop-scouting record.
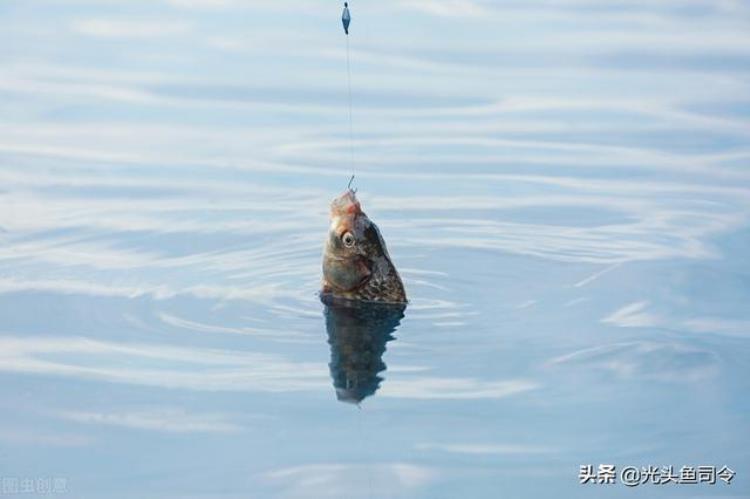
(348, 239)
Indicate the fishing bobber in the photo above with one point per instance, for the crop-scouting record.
(346, 18)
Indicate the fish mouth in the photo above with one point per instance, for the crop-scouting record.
(346, 205)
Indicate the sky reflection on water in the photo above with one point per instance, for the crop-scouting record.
(562, 185)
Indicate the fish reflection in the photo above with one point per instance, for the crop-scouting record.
(358, 333)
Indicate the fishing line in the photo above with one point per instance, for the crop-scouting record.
(345, 20)
(351, 121)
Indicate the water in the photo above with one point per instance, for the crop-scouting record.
(563, 187)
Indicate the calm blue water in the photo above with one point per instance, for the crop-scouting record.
(564, 187)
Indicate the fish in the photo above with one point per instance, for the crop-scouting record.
(356, 263)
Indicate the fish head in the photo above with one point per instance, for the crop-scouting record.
(353, 245)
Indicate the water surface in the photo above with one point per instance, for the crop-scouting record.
(563, 187)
